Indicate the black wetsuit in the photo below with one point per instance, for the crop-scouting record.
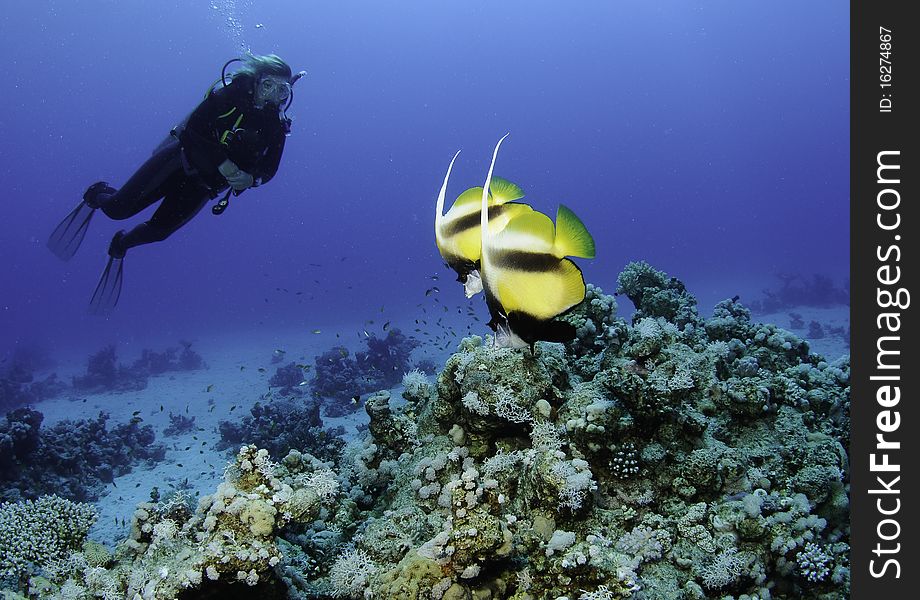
(183, 169)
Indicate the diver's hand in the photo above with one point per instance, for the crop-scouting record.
(238, 179)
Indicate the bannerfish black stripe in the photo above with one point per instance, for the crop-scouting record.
(471, 220)
(530, 329)
(520, 260)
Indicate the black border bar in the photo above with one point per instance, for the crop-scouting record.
(885, 423)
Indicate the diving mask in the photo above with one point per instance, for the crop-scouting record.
(274, 90)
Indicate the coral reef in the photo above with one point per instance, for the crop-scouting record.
(426, 366)
(19, 388)
(152, 362)
(40, 532)
(18, 385)
(226, 542)
(289, 378)
(815, 330)
(678, 457)
(339, 377)
(281, 425)
(654, 294)
(73, 459)
(105, 374)
(669, 458)
(798, 290)
(178, 424)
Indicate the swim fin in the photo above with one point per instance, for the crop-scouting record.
(66, 238)
(109, 288)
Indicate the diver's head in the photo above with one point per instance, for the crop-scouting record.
(272, 76)
(273, 90)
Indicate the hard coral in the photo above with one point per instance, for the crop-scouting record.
(228, 540)
(281, 425)
(36, 533)
(680, 456)
(339, 377)
(74, 459)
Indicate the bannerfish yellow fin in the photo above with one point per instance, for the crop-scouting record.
(528, 232)
(572, 237)
(503, 191)
(500, 216)
(467, 202)
(542, 295)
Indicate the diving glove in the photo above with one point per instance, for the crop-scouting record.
(238, 179)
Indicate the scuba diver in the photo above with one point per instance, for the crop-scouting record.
(231, 142)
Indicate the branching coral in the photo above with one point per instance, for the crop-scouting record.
(36, 533)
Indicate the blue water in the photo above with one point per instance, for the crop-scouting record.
(708, 138)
